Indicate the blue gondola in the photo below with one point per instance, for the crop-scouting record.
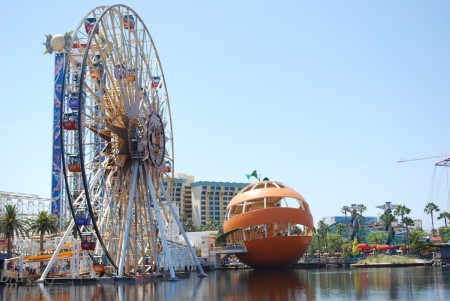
(119, 72)
(73, 102)
(156, 82)
(82, 221)
(128, 22)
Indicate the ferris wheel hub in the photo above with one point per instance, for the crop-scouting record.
(137, 140)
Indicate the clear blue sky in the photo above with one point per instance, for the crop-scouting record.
(324, 96)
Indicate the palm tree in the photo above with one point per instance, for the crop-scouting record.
(187, 222)
(388, 218)
(316, 232)
(444, 215)
(429, 209)
(344, 210)
(403, 211)
(360, 208)
(44, 223)
(323, 230)
(12, 223)
(339, 229)
(407, 221)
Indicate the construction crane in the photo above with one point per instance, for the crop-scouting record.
(445, 162)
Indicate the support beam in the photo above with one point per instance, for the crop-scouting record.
(180, 226)
(162, 230)
(123, 253)
(58, 249)
(151, 225)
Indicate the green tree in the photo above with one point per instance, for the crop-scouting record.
(209, 226)
(429, 209)
(340, 229)
(187, 223)
(334, 242)
(313, 246)
(344, 210)
(323, 231)
(444, 215)
(445, 233)
(376, 237)
(417, 241)
(388, 218)
(44, 223)
(361, 208)
(403, 211)
(358, 217)
(12, 223)
(408, 222)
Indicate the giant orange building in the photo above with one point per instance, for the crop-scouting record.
(272, 221)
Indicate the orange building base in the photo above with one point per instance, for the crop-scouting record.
(274, 252)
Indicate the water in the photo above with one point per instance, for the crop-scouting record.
(411, 283)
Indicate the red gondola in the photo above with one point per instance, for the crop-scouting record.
(98, 267)
(96, 72)
(73, 164)
(70, 122)
(156, 82)
(88, 242)
(99, 264)
(89, 25)
(131, 77)
(168, 167)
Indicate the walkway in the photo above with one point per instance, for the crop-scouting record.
(228, 249)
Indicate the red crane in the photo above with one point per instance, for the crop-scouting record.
(445, 162)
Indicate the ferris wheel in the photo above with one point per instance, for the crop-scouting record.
(117, 144)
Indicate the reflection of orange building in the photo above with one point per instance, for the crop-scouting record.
(272, 221)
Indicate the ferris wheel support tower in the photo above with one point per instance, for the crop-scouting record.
(57, 43)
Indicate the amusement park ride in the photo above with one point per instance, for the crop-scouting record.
(115, 149)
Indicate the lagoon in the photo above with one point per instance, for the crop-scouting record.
(404, 283)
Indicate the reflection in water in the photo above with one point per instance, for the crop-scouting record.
(326, 284)
(277, 285)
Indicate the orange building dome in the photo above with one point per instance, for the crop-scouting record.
(272, 221)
